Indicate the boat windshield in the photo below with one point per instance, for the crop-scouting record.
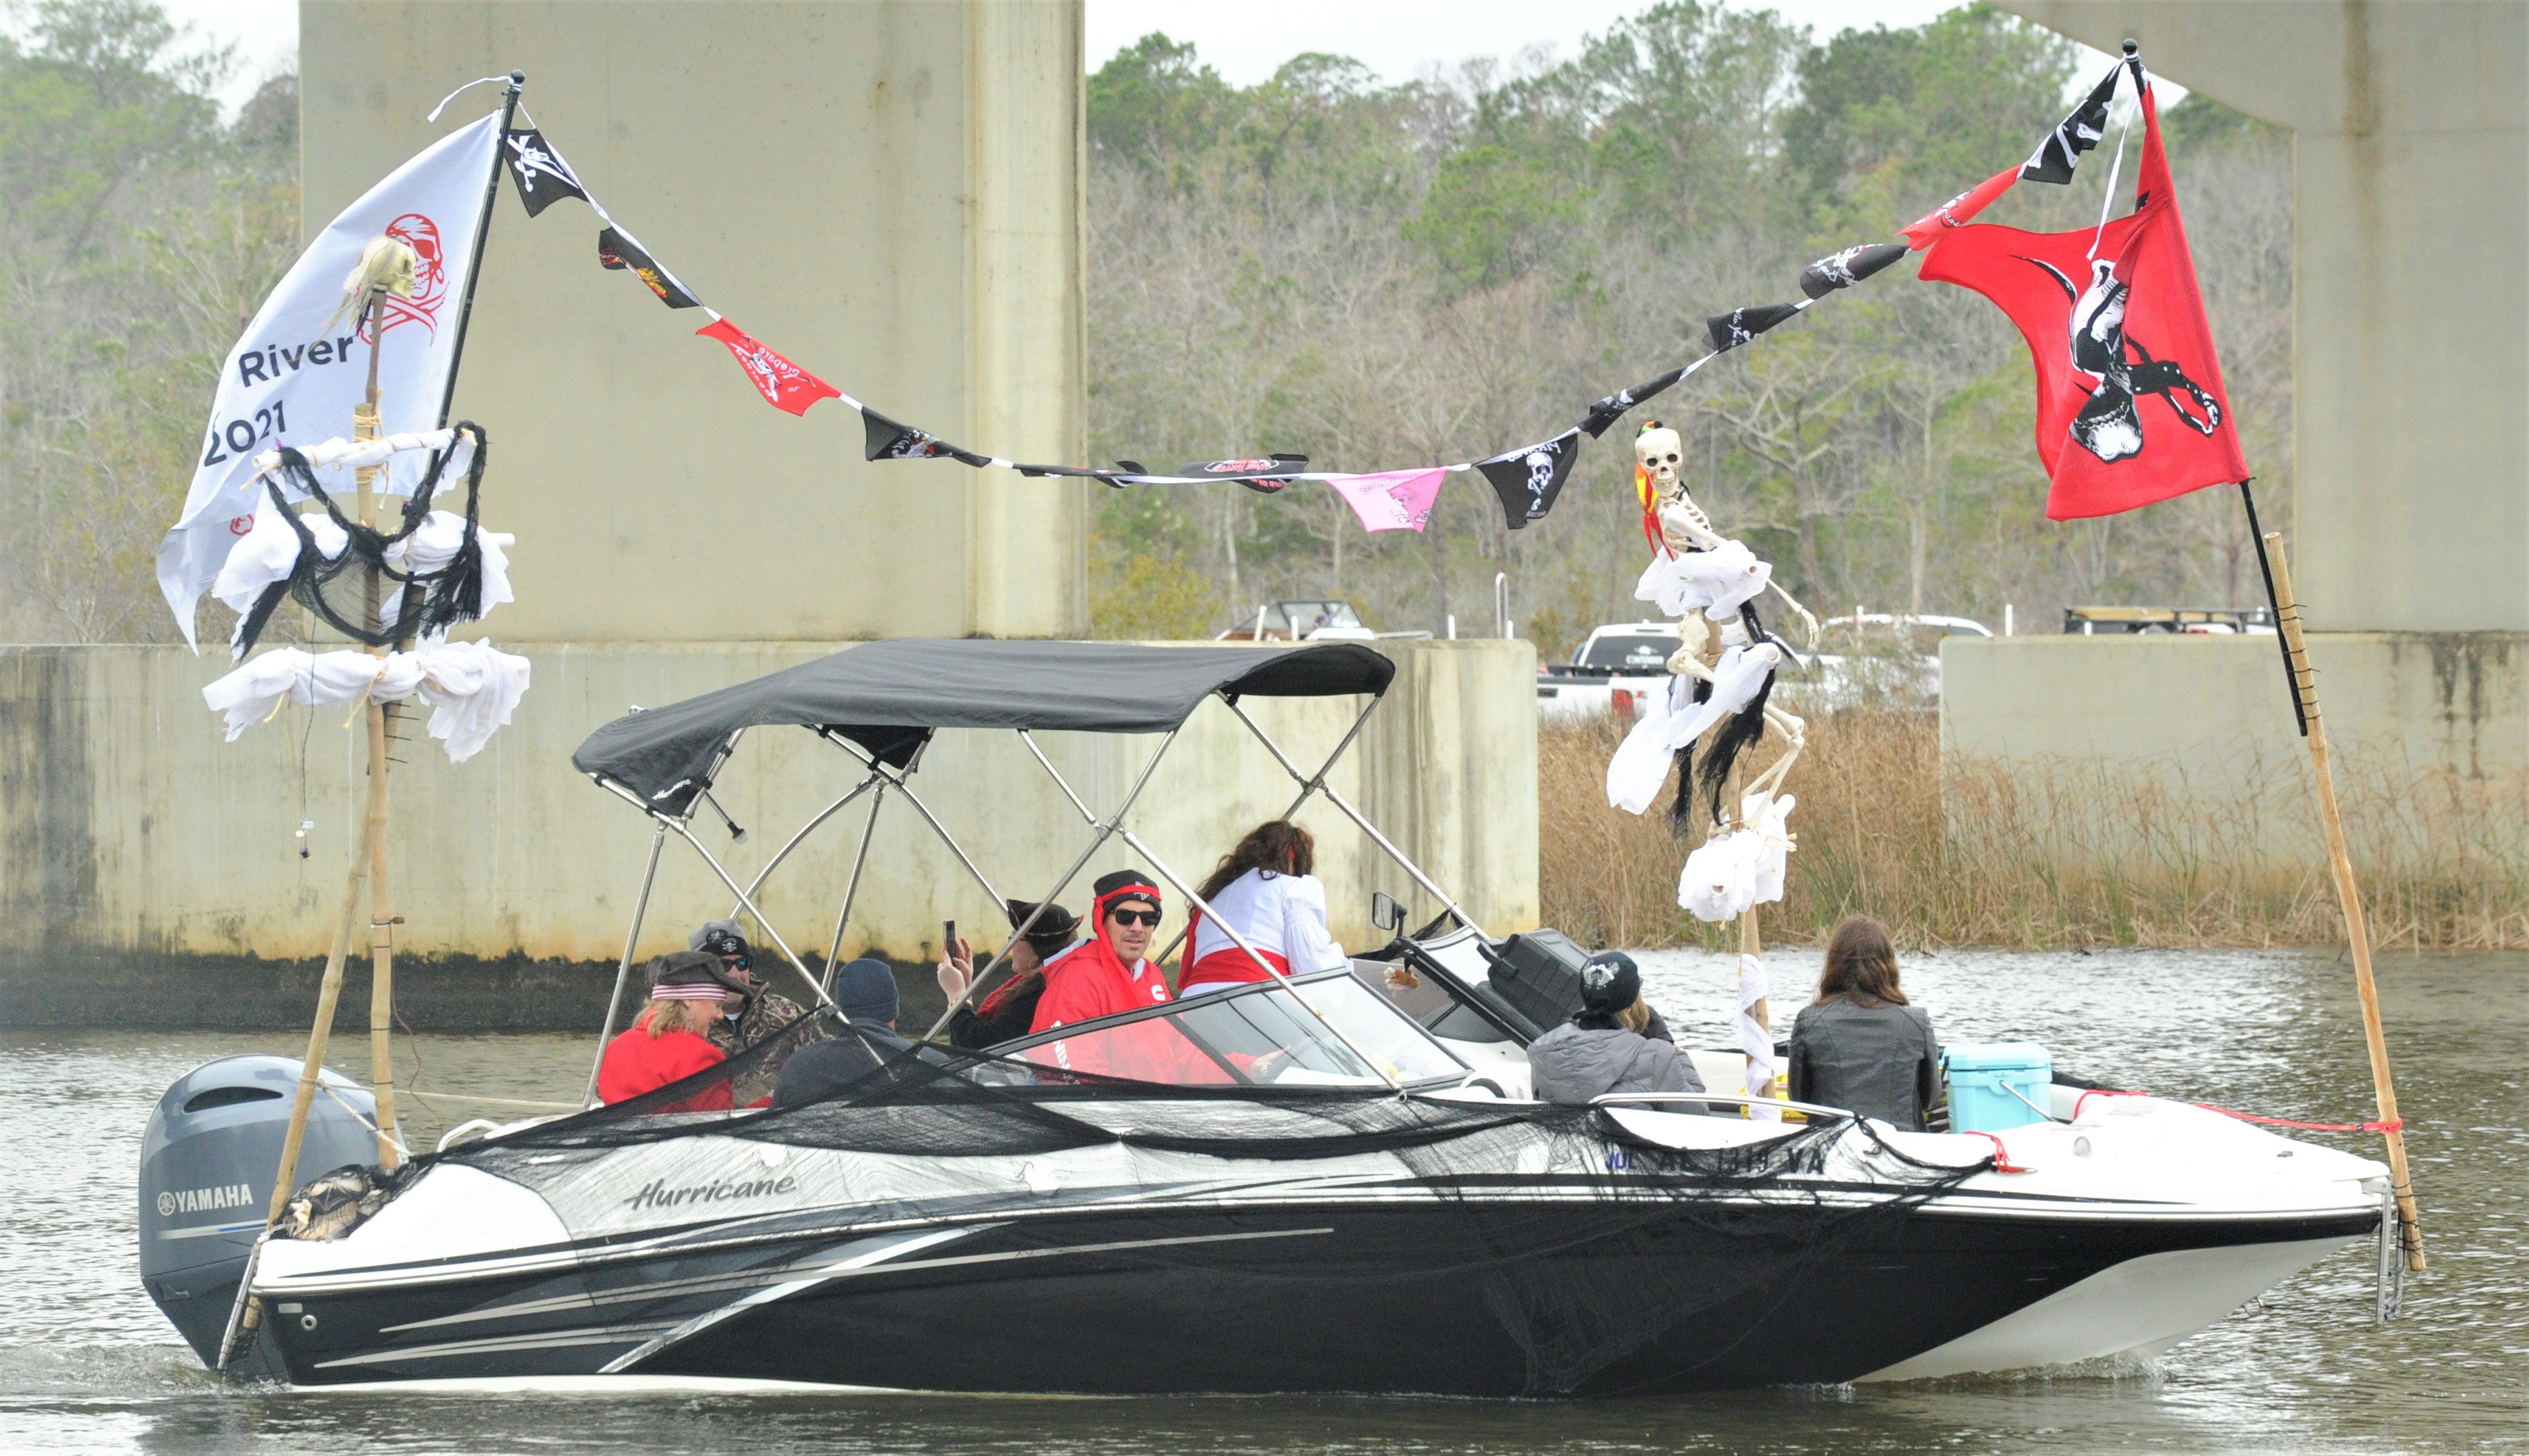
(1259, 1036)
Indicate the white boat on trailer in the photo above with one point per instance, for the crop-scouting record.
(1214, 1179)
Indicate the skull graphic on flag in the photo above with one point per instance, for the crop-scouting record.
(1526, 481)
(783, 384)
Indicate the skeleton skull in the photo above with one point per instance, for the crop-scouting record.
(1657, 448)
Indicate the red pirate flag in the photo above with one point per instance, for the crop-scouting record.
(2131, 407)
(783, 384)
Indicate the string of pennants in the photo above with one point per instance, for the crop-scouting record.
(1526, 480)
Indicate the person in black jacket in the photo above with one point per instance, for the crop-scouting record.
(1008, 1010)
(1860, 1046)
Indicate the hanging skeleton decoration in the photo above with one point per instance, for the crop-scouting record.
(1723, 670)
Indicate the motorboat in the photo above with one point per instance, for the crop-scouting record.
(1329, 1183)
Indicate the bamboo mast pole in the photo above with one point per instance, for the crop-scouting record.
(2349, 896)
(329, 992)
(381, 719)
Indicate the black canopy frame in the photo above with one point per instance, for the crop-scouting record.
(883, 711)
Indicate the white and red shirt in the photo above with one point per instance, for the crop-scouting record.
(1283, 916)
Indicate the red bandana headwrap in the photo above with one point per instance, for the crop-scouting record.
(1123, 885)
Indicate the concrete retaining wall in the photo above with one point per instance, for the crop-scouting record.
(151, 873)
(2429, 731)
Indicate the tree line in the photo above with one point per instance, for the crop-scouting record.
(1377, 274)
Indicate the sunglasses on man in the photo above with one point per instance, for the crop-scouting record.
(1134, 917)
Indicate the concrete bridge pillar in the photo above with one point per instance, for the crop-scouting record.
(2410, 366)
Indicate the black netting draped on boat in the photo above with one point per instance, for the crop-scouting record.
(1589, 1239)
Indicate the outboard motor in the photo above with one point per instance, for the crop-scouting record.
(206, 1168)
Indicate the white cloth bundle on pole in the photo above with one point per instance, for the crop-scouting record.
(471, 688)
(1716, 582)
(1754, 1040)
(1719, 881)
(1730, 873)
(434, 544)
(1762, 818)
(255, 692)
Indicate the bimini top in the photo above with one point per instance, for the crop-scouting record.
(888, 696)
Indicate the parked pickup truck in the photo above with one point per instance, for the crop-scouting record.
(1617, 661)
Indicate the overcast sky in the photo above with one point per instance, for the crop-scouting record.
(1243, 39)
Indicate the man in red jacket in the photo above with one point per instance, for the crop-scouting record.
(1107, 973)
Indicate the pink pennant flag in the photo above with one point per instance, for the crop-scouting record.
(1392, 499)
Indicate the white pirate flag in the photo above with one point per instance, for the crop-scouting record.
(542, 176)
(295, 376)
(1527, 480)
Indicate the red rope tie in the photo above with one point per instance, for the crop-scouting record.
(2099, 1092)
(2394, 1124)
(2002, 1162)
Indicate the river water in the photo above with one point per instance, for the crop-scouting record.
(87, 1365)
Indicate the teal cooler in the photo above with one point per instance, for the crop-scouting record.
(1983, 1078)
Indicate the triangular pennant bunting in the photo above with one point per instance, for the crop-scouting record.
(2055, 157)
(1959, 210)
(783, 384)
(543, 178)
(1264, 476)
(885, 438)
(619, 249)
(1842, 270)
(1527, 480)
(1728, 331)
(1612, 408)
(1391, 500)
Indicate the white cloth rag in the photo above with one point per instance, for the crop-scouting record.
(1763, 817)
(1719, 881)
(1640, 763)
(1756, 1041)
(471, 688)
(1716, 582)
(1736, 680)
(268, 553)
(434, 544)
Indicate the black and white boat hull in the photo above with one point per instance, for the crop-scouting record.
(1346, 1274)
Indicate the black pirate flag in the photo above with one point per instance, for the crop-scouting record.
(1527, 480)
(886, 440)
(1264, 475)
(619, 249)
(542, 176)
(1612, 408)
(2075, 135)
(1728, 331)
(1842, 270)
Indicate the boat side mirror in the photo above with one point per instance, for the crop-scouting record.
(1386, 913)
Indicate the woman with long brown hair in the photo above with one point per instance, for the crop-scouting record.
(1266, 889)
(1861, 1045)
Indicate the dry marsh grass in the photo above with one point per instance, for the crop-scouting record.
(2048, 854)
